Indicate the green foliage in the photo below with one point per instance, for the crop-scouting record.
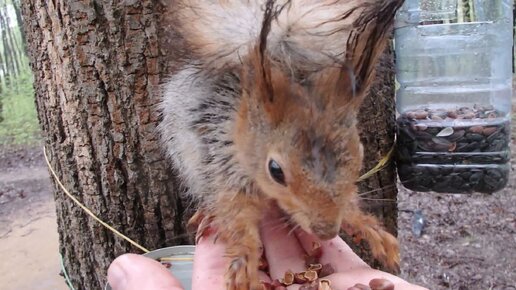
(18, 118)
(20, 125)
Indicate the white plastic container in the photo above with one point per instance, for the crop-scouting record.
(454, 69)
(181, 269)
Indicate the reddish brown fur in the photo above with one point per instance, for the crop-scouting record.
(305, 121)
(284, 126)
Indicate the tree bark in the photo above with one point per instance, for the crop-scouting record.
(377, 123)
(97, 67)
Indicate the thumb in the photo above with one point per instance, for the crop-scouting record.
(135, 272)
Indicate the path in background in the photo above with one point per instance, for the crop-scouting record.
(28, 229)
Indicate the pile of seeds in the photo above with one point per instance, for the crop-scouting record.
(311, 279)
(454, 151)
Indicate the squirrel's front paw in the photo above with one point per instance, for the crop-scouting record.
(242, 274)
(384, 246)
(385, 249)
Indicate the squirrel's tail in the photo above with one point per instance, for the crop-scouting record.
(303, 33)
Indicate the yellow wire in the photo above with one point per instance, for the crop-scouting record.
(88, 211)
(381, 164)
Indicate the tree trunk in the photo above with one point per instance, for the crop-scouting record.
(97, 66)
(377, 124)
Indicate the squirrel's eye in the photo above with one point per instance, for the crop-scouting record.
(276, 172)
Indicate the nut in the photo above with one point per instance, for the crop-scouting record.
(326, 270)
(299, 278)
(453, 114)
(324, 285)
(315, 267)
(468, 115)
(316, 250)
(314, 255)
(381, 284)
(489, 130)
(311, 275)
(288, 278)
(476, 129)
(420, 114)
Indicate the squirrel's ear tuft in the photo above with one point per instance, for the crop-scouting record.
(345, 84)
(262, 62)
(256, 77)
(368, 40)
(267, 87)
(257, 69)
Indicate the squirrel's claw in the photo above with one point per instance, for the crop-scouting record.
(385, 249)
(242, 275)
(384, 246)
(200, 224)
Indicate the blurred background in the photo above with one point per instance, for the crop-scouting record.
(28, 229)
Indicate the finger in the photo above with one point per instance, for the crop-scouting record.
(211, 263)
(335, 252)
(282, 249)
(134, 272)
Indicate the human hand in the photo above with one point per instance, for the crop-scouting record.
(135, 272)
(284, 251)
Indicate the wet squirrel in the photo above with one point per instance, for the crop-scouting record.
(265, 112)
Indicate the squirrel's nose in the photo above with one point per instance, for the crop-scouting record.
(325, 231)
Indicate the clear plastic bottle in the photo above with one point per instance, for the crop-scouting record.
(454, 71)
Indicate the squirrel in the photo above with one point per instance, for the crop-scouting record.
(264, 112)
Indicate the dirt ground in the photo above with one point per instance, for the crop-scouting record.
(468, 242)
(28, 229)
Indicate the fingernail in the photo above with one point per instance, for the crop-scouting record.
(381, 284)
(360, 287)
(116, 276)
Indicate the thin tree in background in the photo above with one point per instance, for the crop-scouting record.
(14, 45)
(19, 22)
(8, 65)
(14, 67)
(3, 72)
